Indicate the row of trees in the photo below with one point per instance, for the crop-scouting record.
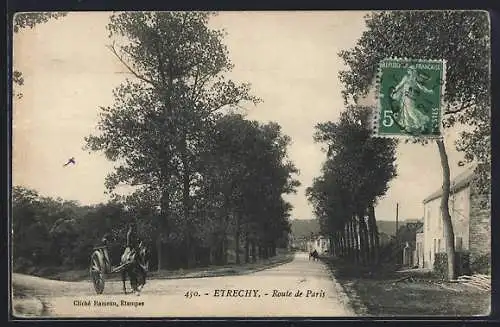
(206, 180)
(56, 232)
(462, 39)
(355, 174)
(235, 205)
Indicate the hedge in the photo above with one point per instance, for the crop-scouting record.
(462, 264)
(481, 264)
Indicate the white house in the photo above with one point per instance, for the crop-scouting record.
(319, 243)
(471, 222)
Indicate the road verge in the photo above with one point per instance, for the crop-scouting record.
(26, 305)
(213, 271)
(384, 292)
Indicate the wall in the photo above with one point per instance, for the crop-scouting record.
(480, 224)
(434, 240)
(419, 250)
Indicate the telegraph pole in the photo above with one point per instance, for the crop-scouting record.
(397, 218)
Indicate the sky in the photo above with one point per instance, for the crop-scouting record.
(290, 59)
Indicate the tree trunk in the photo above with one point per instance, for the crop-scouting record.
(254, 253)
(247, 247)
(371, 241)
(350, 232)
(347, 240)
(332, 248)
(265, 250)
(361, 244)
(365, 244)
(237, 238)
(189, 251)
(211, 256)
(159, 252)
(163, 220)
(186, 188)
(224, 249)
(447, 223)
(220, 251)
(374, 233)
(342, 243)
(355, 239)
(339, 244)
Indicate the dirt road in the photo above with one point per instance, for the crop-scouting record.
(300, 288)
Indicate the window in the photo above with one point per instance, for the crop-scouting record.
(439, 245)
(435, 245)
(458, 243)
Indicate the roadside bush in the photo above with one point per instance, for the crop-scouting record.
(481, 264)
(21, 265)
(462, 264)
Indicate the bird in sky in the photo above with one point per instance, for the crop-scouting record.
(70, 161)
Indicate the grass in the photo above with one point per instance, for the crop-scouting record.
(73, 275)
(381, 291)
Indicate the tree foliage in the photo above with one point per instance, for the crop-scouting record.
(48, 231)
(356, 173)
(462, 38)
(164, 132)
(31, 19)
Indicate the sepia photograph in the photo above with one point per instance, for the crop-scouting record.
(235, 164)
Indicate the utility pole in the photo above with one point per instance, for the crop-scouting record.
(397, 218)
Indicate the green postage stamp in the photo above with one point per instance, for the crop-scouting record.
(410, 95)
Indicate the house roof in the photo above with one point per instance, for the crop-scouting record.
(459, 182)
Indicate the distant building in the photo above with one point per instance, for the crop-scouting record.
(471, 221)
(319, 243)
(419, 248)
(406, 241)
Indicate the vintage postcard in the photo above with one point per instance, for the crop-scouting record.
(250, 164)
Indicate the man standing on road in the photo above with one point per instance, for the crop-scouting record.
(133, 248)
(132, 241)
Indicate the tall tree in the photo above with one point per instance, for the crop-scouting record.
(462, 39)
(155, 126)
(246, 173)
(355, 174)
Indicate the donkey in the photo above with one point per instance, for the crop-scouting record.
(136, 267)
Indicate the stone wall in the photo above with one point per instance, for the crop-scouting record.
(480, 223)
(419, 250)
(434, 237)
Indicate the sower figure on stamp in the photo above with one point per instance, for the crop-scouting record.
(410, 118)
